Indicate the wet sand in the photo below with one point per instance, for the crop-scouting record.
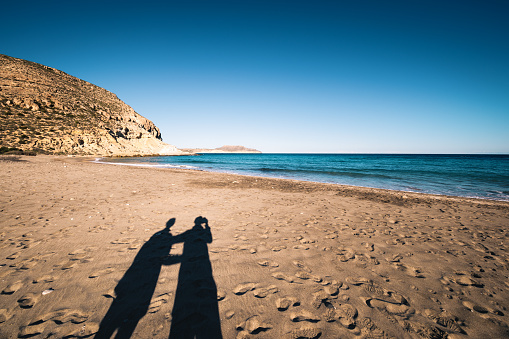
(88, 247)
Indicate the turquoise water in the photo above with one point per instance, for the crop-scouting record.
(480, 176)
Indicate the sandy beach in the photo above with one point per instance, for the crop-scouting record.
(87, 249)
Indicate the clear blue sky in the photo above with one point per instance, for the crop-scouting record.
(409, 76)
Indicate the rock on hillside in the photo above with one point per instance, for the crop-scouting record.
(46, 109)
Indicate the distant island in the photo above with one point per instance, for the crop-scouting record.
(222, 149)
(44, 110)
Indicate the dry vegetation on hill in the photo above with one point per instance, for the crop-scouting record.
(49, 111)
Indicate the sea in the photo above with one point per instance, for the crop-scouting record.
(475, 176)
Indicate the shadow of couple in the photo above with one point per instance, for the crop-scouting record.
(195, 311)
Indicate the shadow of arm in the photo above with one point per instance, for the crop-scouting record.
(179, 238)
(208, 234)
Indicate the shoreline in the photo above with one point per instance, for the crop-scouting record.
(343, 186)
(283, 259)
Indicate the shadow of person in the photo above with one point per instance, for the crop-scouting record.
(195, 311)
(134, 291)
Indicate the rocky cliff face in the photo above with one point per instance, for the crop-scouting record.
(46, 109)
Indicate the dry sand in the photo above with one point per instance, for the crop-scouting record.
(282, 258)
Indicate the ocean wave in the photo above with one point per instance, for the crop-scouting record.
(331, 173)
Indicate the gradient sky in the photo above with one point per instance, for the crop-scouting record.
(410, 76)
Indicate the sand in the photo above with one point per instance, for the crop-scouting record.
(88, 249)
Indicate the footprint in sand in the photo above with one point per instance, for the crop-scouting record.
(410, 270)
(424, 330)
(307, 241)
(10, 289)
(81, 257)
(481, 309)
(284, 303)
(77, 252)
(282, 276)
(123, 241)
(347, 314)
(48, 316)
(110, 294)
(69, 315)
(253, 325)
(444, 319)
(305, 332)
(158, 302)
(133, 247)
(85, 330)
(345, 254)
(384, 294)
(371, 259)
(465, 281)
(301, 247)
(358, 280)
(262, 292)
(4, 315)
(300, 264)
(471, 274)
(68, 265)
(28, 300)
(221, 295)
(330, 315)
(333, 288)
(369, 246)
(13, 256)
(320, 297)
(368, 329)
(30, 331)
(218, 250)
(377, 291)
(303, 315)
(395, 258)
(100, 228)
(101, 272)
(28, 264)
(243, 288)
(347, 311)
(396, 241)
(304, 275)
(394, 309)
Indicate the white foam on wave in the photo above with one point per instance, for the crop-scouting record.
(98, 160)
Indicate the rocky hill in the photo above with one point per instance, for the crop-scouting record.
(222, 149)
(49, 111)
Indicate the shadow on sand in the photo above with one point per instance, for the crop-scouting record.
(195, 311)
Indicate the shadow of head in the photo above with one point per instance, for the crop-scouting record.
(200, 221)
(170, 223)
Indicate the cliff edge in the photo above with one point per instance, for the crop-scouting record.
(47, 110)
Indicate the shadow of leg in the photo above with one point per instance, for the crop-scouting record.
(195, 311)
